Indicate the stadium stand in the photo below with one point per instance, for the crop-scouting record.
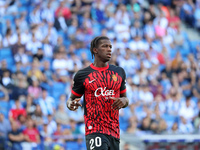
(44, 42)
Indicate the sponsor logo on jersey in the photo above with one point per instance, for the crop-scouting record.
(102, 91)
(114, 77)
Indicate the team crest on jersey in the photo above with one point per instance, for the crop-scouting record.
(114, 77)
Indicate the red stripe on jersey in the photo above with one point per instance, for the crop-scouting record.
(123, 91)
(76, 93)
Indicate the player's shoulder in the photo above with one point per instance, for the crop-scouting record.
(83, 72)
(116, 68)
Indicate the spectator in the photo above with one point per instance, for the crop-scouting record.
(174, 20)
(197, 17)
(46, 134)
(3, 93)
(197, 123)
(58, 133)
(21, 56)
(35, 71)
(188, 10)
(23, 24)
(126, 146)
(185, 127)
(149, 31)
(16, 111)
(47, 72)
(145, 126)
(60, 63)
(30, 105)
(145, 95)
(51, 126)
(6, 79)
(4, 129)
(35, 15)
(39, 55)
(174, 129)
(61, 116)
(47, 103)
(34, 90)
(74, 128)
(21, 84)
(37, 115)
(9, 39)
(33, 45)
(15, 136)
(136, 30)
(15, 47)
(173, 105)
(48, 13)
(196, 89)
(122, 15)
(121, 31)
(63, 11)
(26, 37)
(21, 120)
(187, 111)
(132, 128)
(31, 135)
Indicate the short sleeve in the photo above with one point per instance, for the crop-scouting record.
(78, 88)
(123, 84)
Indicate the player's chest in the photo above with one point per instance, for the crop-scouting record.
(103, 83)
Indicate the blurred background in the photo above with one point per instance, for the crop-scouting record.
(44, 42)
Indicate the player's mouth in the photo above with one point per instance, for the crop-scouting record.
(109, 55)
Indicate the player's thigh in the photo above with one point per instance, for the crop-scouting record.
(114, 143)
(97, 142)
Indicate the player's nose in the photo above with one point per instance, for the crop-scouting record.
(109, 49)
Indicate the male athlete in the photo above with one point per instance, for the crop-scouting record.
(104, 90)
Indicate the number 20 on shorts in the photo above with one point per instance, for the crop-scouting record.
(95, 142)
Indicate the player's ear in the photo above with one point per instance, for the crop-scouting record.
(95, 50)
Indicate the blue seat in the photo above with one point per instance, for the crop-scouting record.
(8, 17)
(193, 45)
(58, 89)
(46, 86)
(72, 146)
(82, 146)
(11, 104)
(10, 62)
(4, 108)
(173, 53)
(2, 94)
(123, 123)
(5, 53)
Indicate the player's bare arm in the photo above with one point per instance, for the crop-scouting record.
(73, 102)
(120, 102)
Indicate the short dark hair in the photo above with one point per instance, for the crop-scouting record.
(94, 43)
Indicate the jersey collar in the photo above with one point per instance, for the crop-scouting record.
(99, 68)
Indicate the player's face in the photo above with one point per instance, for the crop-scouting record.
(104, 50)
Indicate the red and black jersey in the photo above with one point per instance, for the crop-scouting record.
(98, 85)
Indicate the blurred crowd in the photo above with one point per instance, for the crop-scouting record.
(43, 43)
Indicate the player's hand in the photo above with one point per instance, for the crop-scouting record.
(74, 104)
(118, 103)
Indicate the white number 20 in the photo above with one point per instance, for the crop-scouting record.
(97, 142)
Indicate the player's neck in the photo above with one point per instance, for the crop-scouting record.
(100, 64)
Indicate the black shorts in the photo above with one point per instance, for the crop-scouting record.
(99, 141)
